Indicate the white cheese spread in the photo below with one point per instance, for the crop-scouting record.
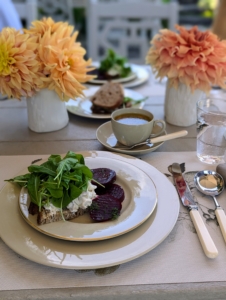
(84, 200)
(53, 209)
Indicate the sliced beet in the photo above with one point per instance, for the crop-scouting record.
(104, 176)
(114, 190)
(105, 207)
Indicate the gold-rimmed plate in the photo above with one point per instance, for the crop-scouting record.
(139, 203)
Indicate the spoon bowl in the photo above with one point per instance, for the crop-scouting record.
(211, 184)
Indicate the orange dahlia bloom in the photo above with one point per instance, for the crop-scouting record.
(197, 59)
(61, 58)
(18, 64)
(39, 27)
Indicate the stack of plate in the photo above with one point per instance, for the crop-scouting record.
(149, 213)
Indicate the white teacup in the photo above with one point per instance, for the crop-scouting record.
(134, 125)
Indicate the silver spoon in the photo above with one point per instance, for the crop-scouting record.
(212, 184)
(158, 139)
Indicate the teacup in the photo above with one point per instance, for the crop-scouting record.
(134, 125)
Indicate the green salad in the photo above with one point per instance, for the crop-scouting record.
(58, 180)
(115, 65)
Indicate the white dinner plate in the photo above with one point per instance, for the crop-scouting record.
(140, 76)
(107, 138)
(42, 249)
(140, 201)
(82, 107)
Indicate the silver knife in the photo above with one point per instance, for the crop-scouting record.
(187, 200)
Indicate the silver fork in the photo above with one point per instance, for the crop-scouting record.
(152, 141)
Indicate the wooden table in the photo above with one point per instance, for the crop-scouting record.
(80, 134)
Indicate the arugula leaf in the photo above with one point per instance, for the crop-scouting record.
(56, 193)
(54, 159)
(33, 185)
(74, 191)
(65, 165)
(21, 180)
(41, 169)
(84, 169)
(79, 157)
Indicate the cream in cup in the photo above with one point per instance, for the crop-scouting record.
(134, 125)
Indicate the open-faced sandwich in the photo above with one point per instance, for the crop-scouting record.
(65, 188)
(110, 97)
(107, 98)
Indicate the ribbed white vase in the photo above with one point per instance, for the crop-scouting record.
(46, 112)
(180, 105)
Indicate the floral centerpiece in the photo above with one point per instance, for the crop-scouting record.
(192, 61)
(45, 57)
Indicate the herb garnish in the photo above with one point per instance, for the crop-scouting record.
(128, 102)
(115, 213)
(57, 181)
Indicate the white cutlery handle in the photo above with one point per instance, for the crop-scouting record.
(169, 136)
(207, 243)
(221, 218)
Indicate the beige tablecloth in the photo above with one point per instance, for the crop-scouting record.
(178, 259)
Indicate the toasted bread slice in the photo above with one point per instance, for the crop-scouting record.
(108, 98)
(45, 216)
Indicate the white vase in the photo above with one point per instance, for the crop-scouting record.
(180, 105)
(46, 112)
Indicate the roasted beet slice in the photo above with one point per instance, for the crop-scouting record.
(104, 176)
(114, 190)
(105, 207)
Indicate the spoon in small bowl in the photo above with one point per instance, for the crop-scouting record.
(212, 184)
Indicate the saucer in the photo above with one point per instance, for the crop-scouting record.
(107, 138)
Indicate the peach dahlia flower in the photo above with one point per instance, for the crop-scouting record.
(61, 58)
(197, 59)
(18, 64)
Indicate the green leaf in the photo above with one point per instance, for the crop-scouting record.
(56, 202)
(85, 170)
(74, 192)
(41, 169)
(56, 193)
(54, 159)
(79, 157)
(65, 165)
(33, 189)
(21, 180)
(66, 199)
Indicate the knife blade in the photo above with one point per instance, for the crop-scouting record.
(187, 200)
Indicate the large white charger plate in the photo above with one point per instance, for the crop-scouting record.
(139, 76)
(107, 138)
(82, 107)
(139, 203)
(40, 248)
